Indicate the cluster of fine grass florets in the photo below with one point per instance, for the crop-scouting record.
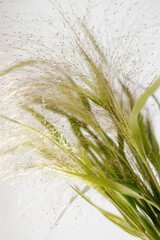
(110, 145)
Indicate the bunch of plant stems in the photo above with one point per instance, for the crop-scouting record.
(116, 154)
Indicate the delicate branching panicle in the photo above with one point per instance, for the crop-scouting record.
(109, 144)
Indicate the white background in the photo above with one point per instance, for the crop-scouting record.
(30, 205)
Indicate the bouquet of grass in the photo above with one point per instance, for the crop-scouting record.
(114, 149)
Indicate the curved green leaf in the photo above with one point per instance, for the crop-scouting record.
(133, 120)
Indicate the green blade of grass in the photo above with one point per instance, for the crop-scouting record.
(134, 127)
(115, 219)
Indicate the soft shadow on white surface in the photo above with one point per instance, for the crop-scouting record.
(28, 209)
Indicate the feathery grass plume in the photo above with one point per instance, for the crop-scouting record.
(116, 154)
